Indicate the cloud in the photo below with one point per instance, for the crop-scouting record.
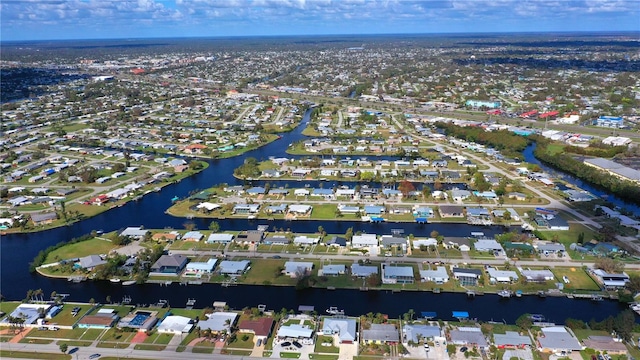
(289, 16)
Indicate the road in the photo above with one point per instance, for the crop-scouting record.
(553, 203)
(84, 352)
(564, 262)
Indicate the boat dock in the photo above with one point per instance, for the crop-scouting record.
(190, 304)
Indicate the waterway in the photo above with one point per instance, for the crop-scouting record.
(595, 190)
(17, 250)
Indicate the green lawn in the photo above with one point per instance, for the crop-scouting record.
(65, 317)
(157, 338)
(75, 342)
(578, 278)
(36, 341)
(80, 249)
(33, 355)
(289, 355)
(326, 349)
(323, 357)
(239, 343)
(151, 347)
(60, 334)
(8, 306)
(264, 271)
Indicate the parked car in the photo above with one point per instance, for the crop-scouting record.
(94, 356)
(463, 349)
(297, 344)
(259, 343)
(285, 344)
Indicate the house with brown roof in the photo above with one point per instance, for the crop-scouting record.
(102, 319)
(261, 327)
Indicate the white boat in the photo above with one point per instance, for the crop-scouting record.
(114, 280)
(635, 307)
(333, 310)
(505, 293)
(128, 282)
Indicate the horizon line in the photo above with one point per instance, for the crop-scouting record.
(611, 32)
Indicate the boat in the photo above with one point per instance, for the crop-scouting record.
(114, 280)
(536, 317)
(128, 282)
(505, 293)
(596, 297)
(333, 310)
(635, 307)
(175, 198)
(519, 293)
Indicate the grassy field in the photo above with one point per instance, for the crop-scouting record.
(7, 307)
(60, 334)
(323, 357)
(264, 271)
(65, 317)
(578, 278)
(238, 343)
(80, 249)
(33, 355)
(326, 349)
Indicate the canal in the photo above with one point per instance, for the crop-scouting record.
(17, 250)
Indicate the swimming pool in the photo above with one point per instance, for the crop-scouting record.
(139, 319)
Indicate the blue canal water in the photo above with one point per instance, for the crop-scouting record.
(17, 250)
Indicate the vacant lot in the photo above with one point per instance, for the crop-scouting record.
(578, 278)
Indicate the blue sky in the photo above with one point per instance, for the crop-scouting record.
(94, 19)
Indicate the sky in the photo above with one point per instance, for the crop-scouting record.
(98, 19)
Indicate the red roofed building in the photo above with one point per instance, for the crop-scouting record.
(195, 148)
(261, 327)
(99, 200)
(529, 114)
(550, 114)
(137, 71)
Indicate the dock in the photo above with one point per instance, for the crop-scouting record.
(190, 304)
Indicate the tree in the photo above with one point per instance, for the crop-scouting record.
(406, 187)
(189, 225)
(609, 265)
(64, 347)
(524, 322)
(214, 226)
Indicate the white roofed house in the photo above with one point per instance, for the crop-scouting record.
(344, 328)
(537, 275)
(364, 240)
(363, 271)
(193, 236)
(219, 238)
(300, 210)
(333, 270)
(438, 275)
(174, 324)
(196, 268)
(501, 276)
(134, 232)
(557, 339)
(304, 240)
(303, 333)
(381, 334)
(296, 269)
(470, 336)
(117, 194)
(218, 322)
(488, 245)
(246, 208)
(611, 281)
(233, 267)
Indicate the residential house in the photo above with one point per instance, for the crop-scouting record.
(89, 262)
(501, 276)
(333, 270)
(438, 275)
(363, 271)
(389, 241)
(220, 238)
(556, 339)
(297, 268)
(196, 268)
(176, 325)
(344, 328)
(467, 277)
(260, 327)
(302, 333)
(511, 339)
(468, 336)
(606, 344)
(233, 267)
(137, 233)
(218, 322)
(451, 211)
(170, 264)
(537, 276)
(193, 236)
(381, 334)
(243, 209)
(102, 319)
(364, 240)
(611, 281)
(488, 245)
(416, 332)
(43, 218)
(397, 274)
